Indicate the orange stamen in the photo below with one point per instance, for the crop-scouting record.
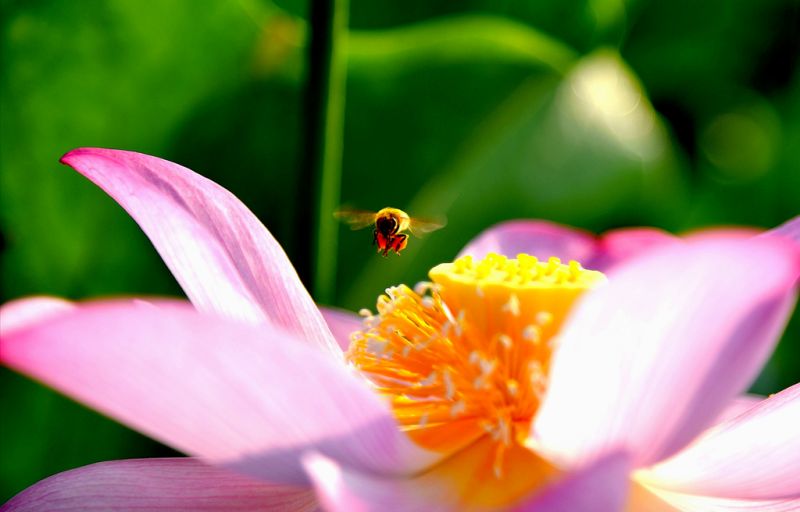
(469, 354)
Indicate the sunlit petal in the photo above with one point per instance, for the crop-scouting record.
(651, 359)
(692, 503)
(755, 455)
(248, 397)
(342, 324)
(223, 257)
(737, 406)
(21, 313)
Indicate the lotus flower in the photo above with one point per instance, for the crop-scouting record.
(509, 382)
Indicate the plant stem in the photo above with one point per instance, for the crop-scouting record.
(322, 172)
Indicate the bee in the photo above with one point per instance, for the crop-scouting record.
(389, 225)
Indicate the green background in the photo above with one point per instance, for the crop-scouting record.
(596, 113)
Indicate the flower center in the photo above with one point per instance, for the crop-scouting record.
(468, 355)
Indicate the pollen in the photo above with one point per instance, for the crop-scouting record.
(468, 354)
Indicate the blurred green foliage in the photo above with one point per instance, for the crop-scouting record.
(596, 113)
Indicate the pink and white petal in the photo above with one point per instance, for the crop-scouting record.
(178, 484)
(753, 456)
(789, 229)
(224, 258)
(249, 397)
(652, 358)
(737, 406)
(601, 486)
(465, 481)
(535, 237)
(692, 503)
(342, 324)
(21, 313)
(342, 490)
(619, 245)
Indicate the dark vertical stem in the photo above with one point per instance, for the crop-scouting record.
(324, 130)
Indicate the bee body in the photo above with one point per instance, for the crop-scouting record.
(389, 226)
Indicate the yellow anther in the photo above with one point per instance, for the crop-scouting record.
(561, 275)
(511, 269)
(484, 268)
(526, 260)
(575, 269)
(463, 264)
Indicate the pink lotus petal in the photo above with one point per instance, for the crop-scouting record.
(21, 313)
(651, 359)
(223, 257)
(245, 396)
(737, 406)
(789, 229)
(342, 324)
(538, 238)
(545, 239)
(690, 503)
(755, 455)
(619, 245)
(340, 490)
(157, 485)
(601, 486)
(465, 481)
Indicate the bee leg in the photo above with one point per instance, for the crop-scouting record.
(375, 237)
(399, 243)
(382, 243)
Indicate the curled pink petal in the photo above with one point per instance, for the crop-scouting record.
(535, 237)
(246, 396)
(178, 484)
(651, 359)
(753, 456)
(21, 313)
(220, 253)
(342, 324)
(601, 486)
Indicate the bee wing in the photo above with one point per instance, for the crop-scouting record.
(422, 226)
(356, 219)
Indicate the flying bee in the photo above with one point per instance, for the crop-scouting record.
(389, 225)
